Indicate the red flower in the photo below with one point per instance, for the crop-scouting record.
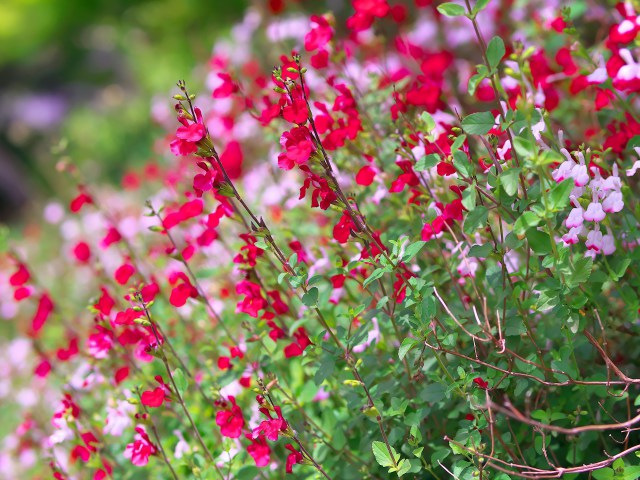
(320, 34)
(188, 210)
(253, 301)
(224, 363)
(112, 236)
(128, 316)
(124, 273)
(188, 135)
(77, 203)
(82, 252)
(342, 230)
(296, 348)
(365, 176)
(80, 452)
(181, 293)
(20, 277)
(156, 397)
(296, 111)
(45, 307)
(298, 146)
(294, 457)
(232, 159)
(21, 293)
(121, 374)
(226, 88)
(71, 351)
(191, 133)
(273, 426)
(259, 450)
(445, 169)
(105, 303)
(481, 383)
(141, 449)
(230, 421)
(43, 368)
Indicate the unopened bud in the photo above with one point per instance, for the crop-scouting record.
(353, 383)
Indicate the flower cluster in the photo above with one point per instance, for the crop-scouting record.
(407, 250)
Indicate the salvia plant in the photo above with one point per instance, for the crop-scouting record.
(407, 250)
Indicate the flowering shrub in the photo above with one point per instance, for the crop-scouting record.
(409, 250)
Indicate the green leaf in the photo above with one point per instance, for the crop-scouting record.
(382, 455)
(495, 52)
(539, 242)
(407, 344)
(310, 299)
(478, 123)
(581, 272)
(461, 162)
(631, 473)
(509, 181)
(403, 467)
(261, 244)
(474, 82)
(375, 275)
(469, 197)
(524, 222)
(412, 250)
(559, 195)
(325, 369)
(451, 10)
(428, 307)
(180, 380)
(547, 157)
(428, 121)
(603, 474)
(457, 143)
(481, 251)
(524, 147)
(475, 219)
(480, 5)
(427, 162)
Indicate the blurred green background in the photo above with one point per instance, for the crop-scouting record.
(86, 72)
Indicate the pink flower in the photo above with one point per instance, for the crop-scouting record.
(613, 203)
(99, 343)
(608, 244)
(118, 418)
(594, 212)
(594, 240)
(141, 449)
(575, 218)
(580, 175)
